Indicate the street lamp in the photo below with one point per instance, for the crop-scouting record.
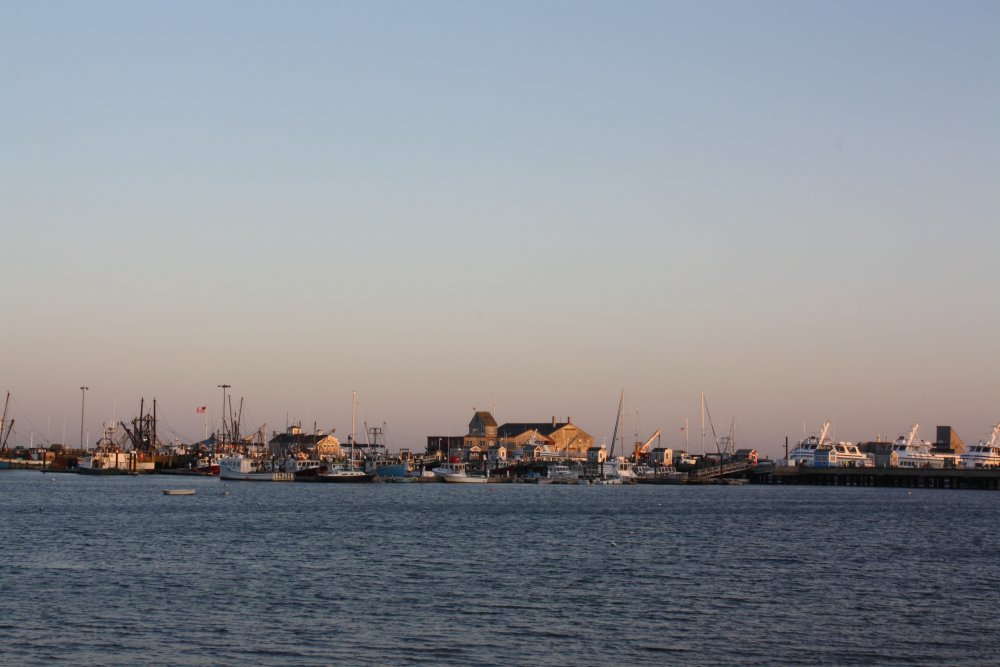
(83, 402)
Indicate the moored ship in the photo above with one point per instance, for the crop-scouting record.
(984, 454)
(113, 460)
(455, 472)
(913, 453)
(249, 469)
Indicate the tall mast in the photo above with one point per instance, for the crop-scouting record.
(354, 405)
(702, 423)
(618, 422)
(622, 431)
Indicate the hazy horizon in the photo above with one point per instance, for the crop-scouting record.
(792, 207)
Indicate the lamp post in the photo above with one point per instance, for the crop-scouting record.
(83, 403)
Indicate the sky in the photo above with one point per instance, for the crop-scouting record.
(445, 206)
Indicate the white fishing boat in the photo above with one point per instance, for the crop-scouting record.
(109, 461)
(303, 467)
(455, 472)
(659, 475)
(561, 474)
(913, 453)
(984, 454)
(244, 468)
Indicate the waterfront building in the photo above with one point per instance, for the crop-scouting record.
(661, 456)
(482, 432)
(443, 446)
(948, 443)
(547, 440)
(497, 454)
(322, 445)
(597, 454)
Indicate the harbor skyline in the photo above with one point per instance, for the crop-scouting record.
(792, 208)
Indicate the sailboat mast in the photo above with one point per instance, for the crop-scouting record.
(622, 432)
(702, 423)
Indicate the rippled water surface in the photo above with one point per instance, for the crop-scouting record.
(102, 571)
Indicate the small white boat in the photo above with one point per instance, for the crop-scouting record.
(455, 472)
(178, 492)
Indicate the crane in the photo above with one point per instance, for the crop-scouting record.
(642, 448)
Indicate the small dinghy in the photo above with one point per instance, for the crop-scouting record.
(178, 492)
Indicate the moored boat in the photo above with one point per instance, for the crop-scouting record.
(455, 472)
(244, 468)
(302, 467)
(984, 454)
(804, 452)
(841, 455)
(341, 474)
(660, 475)
(113, 461)
(913, 453)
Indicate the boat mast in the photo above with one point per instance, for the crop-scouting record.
(4, 423)
(703, 423)
(618, 418)
(354, 405)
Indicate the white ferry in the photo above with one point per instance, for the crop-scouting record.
(804, 452)
(985, 454)
(913, 453)
(822, 452)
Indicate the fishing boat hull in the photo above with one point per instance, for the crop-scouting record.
(339, 478)
(242, 469)
(464, 479)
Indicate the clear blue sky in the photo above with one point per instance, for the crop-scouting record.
(792, 206)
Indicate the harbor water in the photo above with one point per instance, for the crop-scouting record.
(110, 571)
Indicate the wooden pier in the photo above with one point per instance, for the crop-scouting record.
(923, 478)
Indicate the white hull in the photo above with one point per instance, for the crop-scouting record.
(985, 454)
(114, 461)
(241, 468)
(455, 473)
(464, 479)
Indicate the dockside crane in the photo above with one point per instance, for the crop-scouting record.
(641, 449)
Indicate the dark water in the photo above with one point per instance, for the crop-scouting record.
(108, 571)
